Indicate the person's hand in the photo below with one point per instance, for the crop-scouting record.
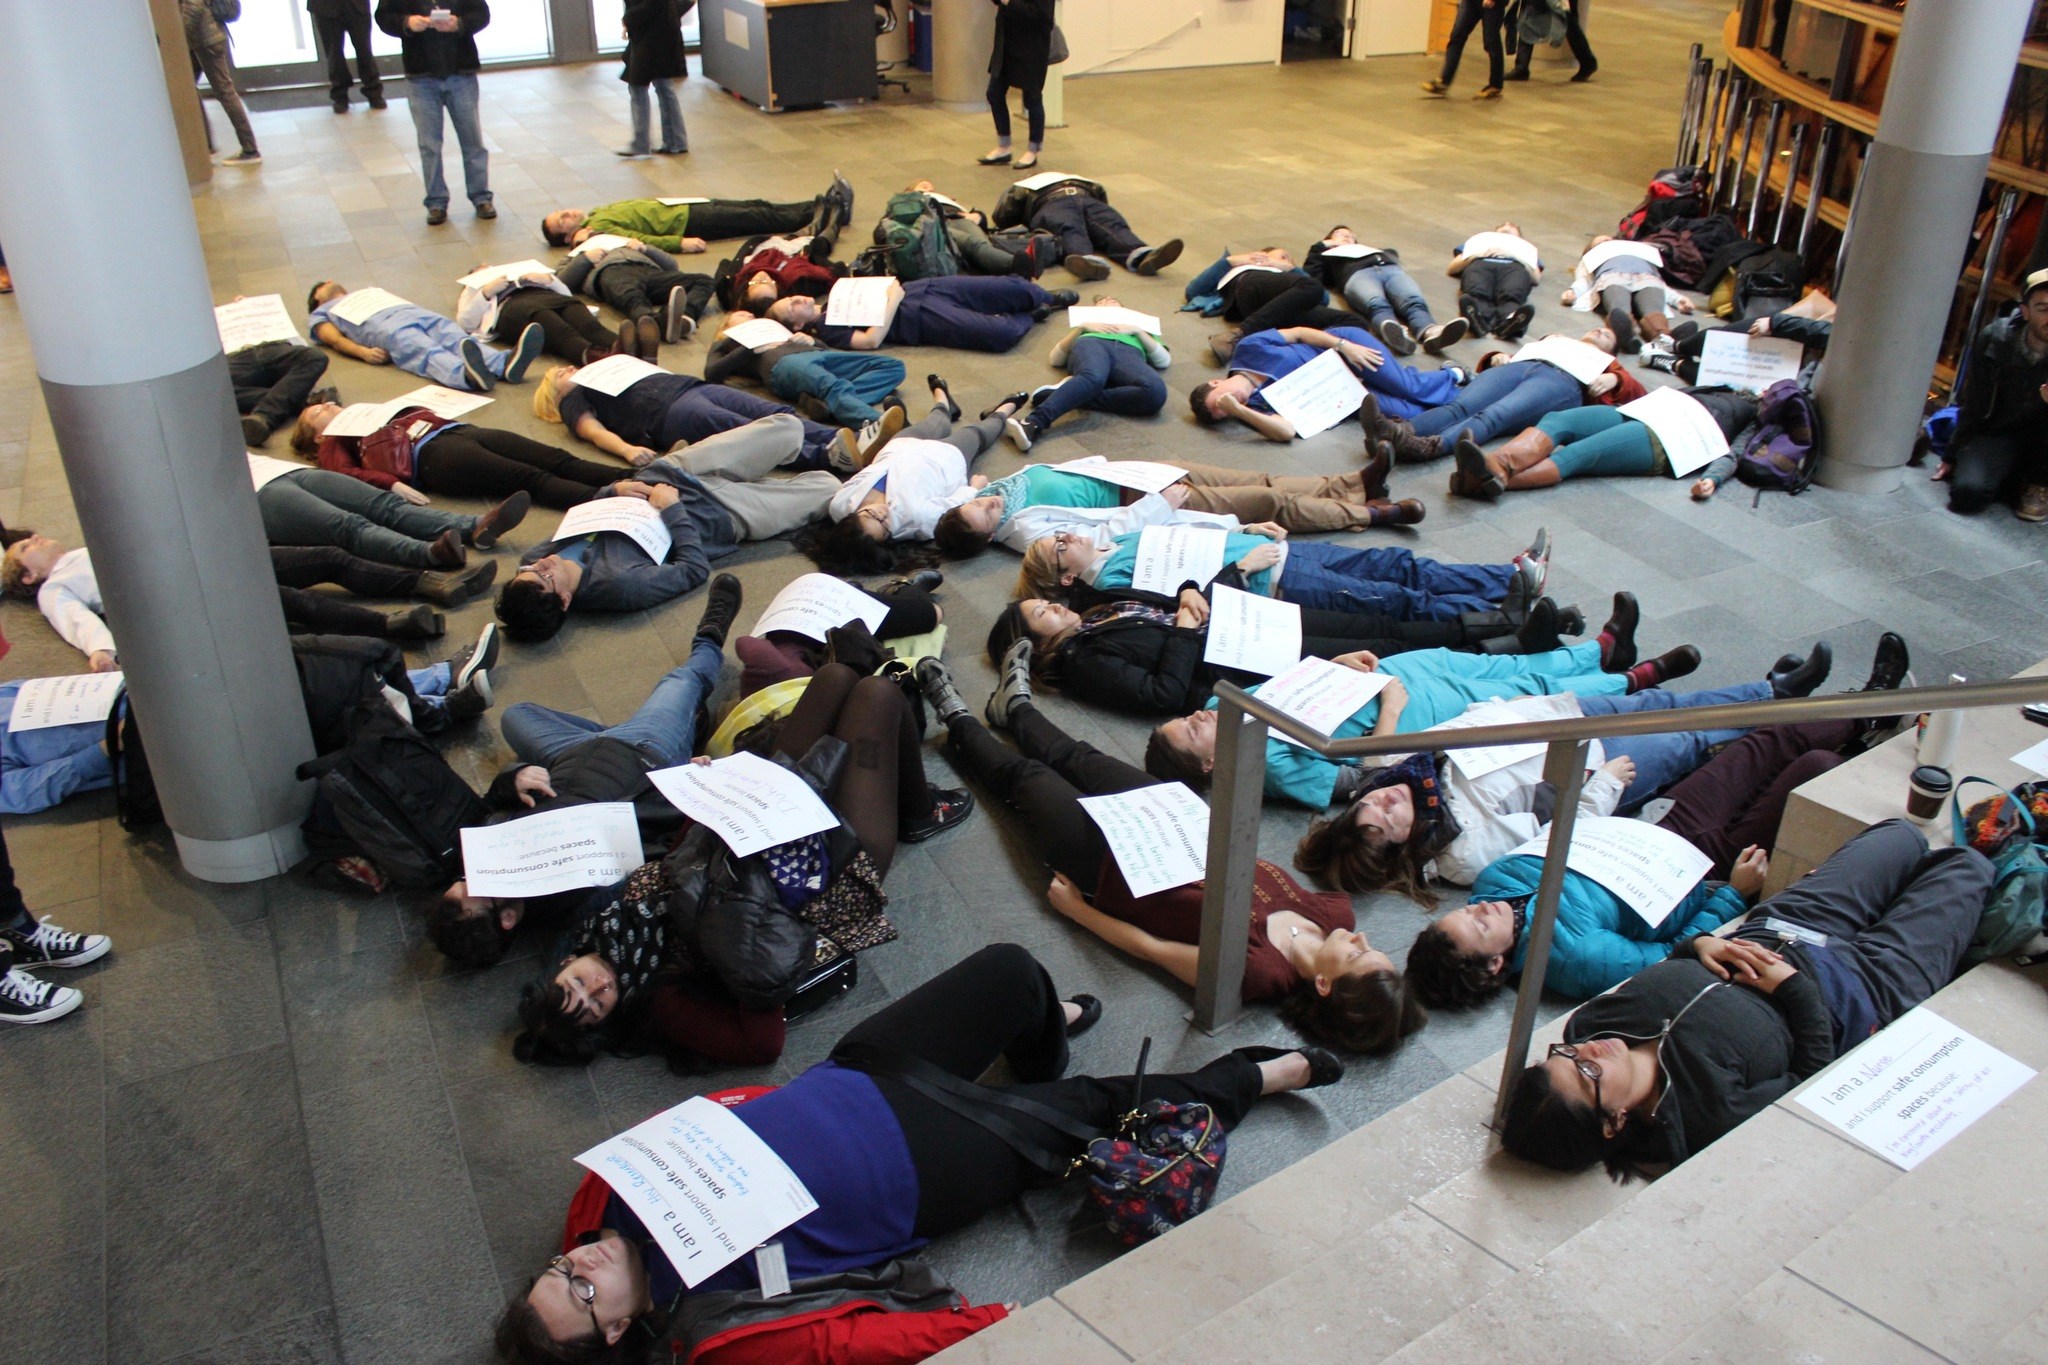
(690, 246)
(978, 481)
(1622, 767)
(103, 661)
(579, 236)
(640, 456)
(1176, 494)
(1605, 384)
(701, 761)
(1192, 603)
(662, 496)
(1364, 660)
(1234, 405)
(1680, 303)
(443, 21)
(1762, 328)
(375, 355)
(632, 488)
(1359, 357)
(1734, 959)
(896, 289)
(532, 781)
(2044, 393)
(1271, 530)
(1746, 875)
(1569, 295)
(1768, 979)
(1702, 489)
(1393, 701)
(1065, 896)
(417, 23)
(1262, 557)
(410, 494)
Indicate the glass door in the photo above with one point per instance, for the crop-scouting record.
(608, 18)
(274, 43)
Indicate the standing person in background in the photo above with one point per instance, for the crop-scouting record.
(1574, 37)
(654, 56)
(207, 41)
(1022, 55)
(1487, 15)
(439, 52)
(334, 21)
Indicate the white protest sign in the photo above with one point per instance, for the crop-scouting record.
(360, 305)
(1254, 633)
(251, 322)
(83, 698)
(360, 419)
(757, 334)
(1749, 363)
(635, 517)
(1044, 180)
(861, 301)
(556, 850)
(745, 800)
(1647, 866)
(944, 199)
(1581, 360)
(675, 200)
(1146, 476)
(1350, 251)
(614, 374)
(1169, 556)
(1099, 316)
(1159, 835)
(1690, 436)
(2034, 759)
(603, 241)
(1320, 694)
(442, 402)
(1237, 270)
(1317, 396)
(1600, 255)
(491, 274)
(815, 603)
(1907, 1091)
(703, 1183)
(1489, 759)
(264, 470)
(1502, 244)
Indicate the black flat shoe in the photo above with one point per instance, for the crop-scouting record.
(1620, 656)
(950, 806)
(1015, 402)
(1323, 1066)
(999, 159)
(924, 580)
(1091, 1014)
(938, 385)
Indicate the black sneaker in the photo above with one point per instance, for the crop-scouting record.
(470, 700)
(924, 580)
(49, 946)
(1395, 337)
(950, 805)
(255, 431)
(474, 659)
(721, 609)
(25, 1000)
(532, 341)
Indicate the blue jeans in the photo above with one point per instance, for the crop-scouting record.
(1391, 582)
(664, 728)
(325, 507)
(1663, 759)
(848, 383)
(1384, 291)
(1108, 376)
(673, 136)
(1503, 399)
(427, 97)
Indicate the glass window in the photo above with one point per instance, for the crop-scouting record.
(518, 29)
(280, 32)
(608, 22)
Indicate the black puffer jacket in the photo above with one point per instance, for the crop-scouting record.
(654, 41)
(336, 672)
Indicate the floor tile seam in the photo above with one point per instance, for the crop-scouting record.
(1865, 1314)
(1461, 1234)
(306, 1140)
(1093, 1330)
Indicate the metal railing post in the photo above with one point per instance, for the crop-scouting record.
(1799, 136)
(1238, 786)
(1564, 768)
(1763, 167)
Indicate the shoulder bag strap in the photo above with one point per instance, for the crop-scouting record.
(979, 1103)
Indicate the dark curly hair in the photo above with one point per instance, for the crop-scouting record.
(470, 940)
(529, 611)
(956, 539)
(841, 547)
(1340, 852)
(1544, 1127)
(547, 1035)
(1447, 978)
(1369, 1014)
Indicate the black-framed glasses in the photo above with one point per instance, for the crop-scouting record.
(582, 1290)
(1059, 549)
(1585, 1066)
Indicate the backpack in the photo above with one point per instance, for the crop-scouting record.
(1675, 192)
(912, 238)
(135, 804)
(2003, 829)
(396, 799)
(1768, 282)
(1781, 452)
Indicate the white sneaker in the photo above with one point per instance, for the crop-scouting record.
(25, 1000)
(50, 946)
(1662, 345)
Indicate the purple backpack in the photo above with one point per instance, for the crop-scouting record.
(1780, 451)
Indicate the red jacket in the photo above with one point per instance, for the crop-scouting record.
(385, 456)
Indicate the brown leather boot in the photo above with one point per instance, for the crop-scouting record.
(1527, 448)
(1408, 447)
(1406, 512)
(1379, 463)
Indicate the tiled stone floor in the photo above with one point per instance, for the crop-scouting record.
(282, 1130)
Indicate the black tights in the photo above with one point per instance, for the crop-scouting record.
(323, 615)
(883, 783)
(1001, 1003)
(306, 566)
(484, 462)
(1044, 778)
(570, 327)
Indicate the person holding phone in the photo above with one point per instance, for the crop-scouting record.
(438, 39)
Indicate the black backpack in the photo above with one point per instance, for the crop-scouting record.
(135, 804)
(396, 799)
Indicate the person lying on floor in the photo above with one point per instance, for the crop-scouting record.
(979, 251)
(273, 381)
(1678, 1055)
(1729, 809)
(686, 228)
(1506, 394)
(1389, 581)
(301, 505)
(501, 310)
(769, 267)
(1580, 443)
(1304, 951)
(1141, 653)
(1810, 322)
(850, 385)
(783, 656)
(659, 301)
(1417, 818)
(1258, 291)
(1259, 358)
(1384, 294)
(965, 312)
(419, 342)
(659, 412)
(1090, 234)
(1629, 290)
(419, 452)
(712, 496)
(1496, 273)
(721, 927)
(927, 1170)
(1111, 367)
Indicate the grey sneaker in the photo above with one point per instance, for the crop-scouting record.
(1014, 685)
(941, 691)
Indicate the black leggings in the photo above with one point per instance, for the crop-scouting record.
(306, 566)
(724, 218)
(1044, 778)
(641, 291)
(1001, 1003)
(323, 615)
(484, 462)
(1260, 299)
(883, 783)
(1034, 108)
(567, 323)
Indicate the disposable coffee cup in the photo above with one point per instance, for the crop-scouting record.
(1927, 792)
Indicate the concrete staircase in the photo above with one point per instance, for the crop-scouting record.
(1414, 1239)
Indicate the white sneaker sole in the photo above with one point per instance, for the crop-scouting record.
(63, 1002)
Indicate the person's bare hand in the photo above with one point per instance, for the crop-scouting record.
(1604, 385)
(1734, 959)
(103, 661)
(691, 246)
(1193, 603)
(1360, 357)
(701, 761)
(1680, 303)
(1262, 557)
(1393, 698)
(1768, 979)
(1176, 494)
(1746, 875)
(1622, 767)
(978, 481)
(1760, 328)
(640, 456)
(532, 781)
(417, 23)
(579, 236)
(1271, 530)
(1065, 896)
(1568, 296)
(632, 488)
(410, 494)
(1364, 660)
(662, 496)
(1702, 489)
(375, 355)
(1234, 405)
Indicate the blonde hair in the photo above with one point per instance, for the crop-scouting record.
(1038, 577)
(545, 405)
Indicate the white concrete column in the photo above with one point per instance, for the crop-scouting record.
(145, 419)
(1951, 73)
(963, 39)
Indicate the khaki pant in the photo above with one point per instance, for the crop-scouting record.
(1305, 502)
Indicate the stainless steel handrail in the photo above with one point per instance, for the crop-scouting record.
(1238, 790)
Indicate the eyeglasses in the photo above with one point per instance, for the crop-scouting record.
(1585, 1066)
(1059, 548)
(581, 1289)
